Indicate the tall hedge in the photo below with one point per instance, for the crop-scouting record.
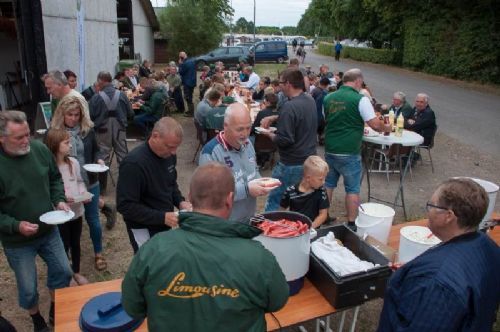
(467, 49)
(384, 56)
(455, 38)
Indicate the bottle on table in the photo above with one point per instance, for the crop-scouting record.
(392, 120)
(400, 124)
(387, 125)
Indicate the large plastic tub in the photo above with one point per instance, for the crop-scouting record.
(353, 289)
(414, 241)
(292, 253)
(492, 191)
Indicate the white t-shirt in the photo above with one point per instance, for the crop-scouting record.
(366, 109)
(253, 81)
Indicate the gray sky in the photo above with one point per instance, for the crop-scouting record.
(268, 12)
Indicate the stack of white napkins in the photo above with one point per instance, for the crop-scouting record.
(340, 259)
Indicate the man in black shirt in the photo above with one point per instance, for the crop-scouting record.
(295, 135)
(147, 189)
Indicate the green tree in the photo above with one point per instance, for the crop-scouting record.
(195, 26)
(241, 25)
(265, 30)
(290, 31)
(250, 27)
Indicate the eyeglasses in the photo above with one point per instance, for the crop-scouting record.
(282, 82)
(429, 205)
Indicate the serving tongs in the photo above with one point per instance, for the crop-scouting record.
(259, 218)
(490, 224)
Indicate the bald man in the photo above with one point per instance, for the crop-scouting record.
(233, 148)
(147, 190)
(423, 120)
(207, 275)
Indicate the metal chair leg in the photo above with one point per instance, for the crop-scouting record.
(196, 152)
(430, 158)
(109, 172)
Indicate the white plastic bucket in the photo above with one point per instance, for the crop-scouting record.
(375, 220)
(413, 241)
(492, 190)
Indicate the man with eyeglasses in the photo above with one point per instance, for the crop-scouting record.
(453, 286)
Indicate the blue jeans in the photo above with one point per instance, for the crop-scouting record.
(22, 262)
(144, 120)
(288, 175)
(92, 218)
(349, 166)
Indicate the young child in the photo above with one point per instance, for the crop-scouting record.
(309, 196)
(58, 142)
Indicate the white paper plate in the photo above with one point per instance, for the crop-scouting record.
(57, 217)
(265, 130)
(270, 182)
(369, 132)
(95, 168)
(83, 197)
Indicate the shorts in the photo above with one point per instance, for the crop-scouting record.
(349, 166)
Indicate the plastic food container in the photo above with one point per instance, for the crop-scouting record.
(492, 190)
(413, 241)
(356, 288)
(376, 220)
(104, 313)
(292, 253)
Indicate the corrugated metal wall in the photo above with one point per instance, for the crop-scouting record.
(100, 36)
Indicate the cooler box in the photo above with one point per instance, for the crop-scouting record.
(353, 289)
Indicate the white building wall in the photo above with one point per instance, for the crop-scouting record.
(143, 32)
(61, 37)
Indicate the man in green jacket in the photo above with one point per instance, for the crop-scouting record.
(30, 185)
(207, 275)
(152, 109)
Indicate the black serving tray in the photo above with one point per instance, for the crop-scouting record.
(353, 289)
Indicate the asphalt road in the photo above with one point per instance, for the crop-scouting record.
(469, 115)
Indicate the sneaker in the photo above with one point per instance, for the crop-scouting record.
(351, 225)
(109, 212)
(51, 313)
(79, 279)
(39, 324)
(73, 283)
(41, 329)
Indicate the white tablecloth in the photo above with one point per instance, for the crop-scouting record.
(409, 138)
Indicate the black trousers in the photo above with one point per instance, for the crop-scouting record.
(188, 94)
(70, 235)
(178, 100)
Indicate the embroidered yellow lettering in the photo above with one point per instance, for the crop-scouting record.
(181, 291)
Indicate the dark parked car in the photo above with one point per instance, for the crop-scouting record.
(230, 56)
(269, 51)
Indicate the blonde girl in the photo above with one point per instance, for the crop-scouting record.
(58, 142)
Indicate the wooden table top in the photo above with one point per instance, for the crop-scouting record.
(308, 304)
